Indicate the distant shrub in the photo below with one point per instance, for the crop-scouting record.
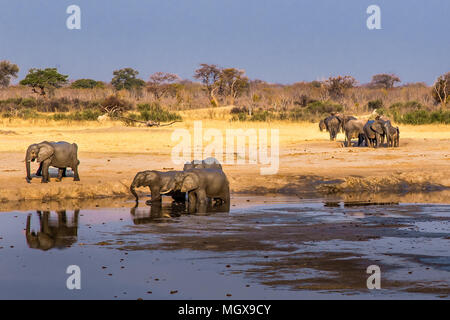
(424, 117)
(155, 112)
(87, 84)
(115, 103)
(375, 104)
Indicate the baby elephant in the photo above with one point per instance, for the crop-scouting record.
(160, 183)
(60, 155)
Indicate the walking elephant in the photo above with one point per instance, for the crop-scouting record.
(201, 184)
(53, 234)
(60, 155)
(160, 183)
(354, 129)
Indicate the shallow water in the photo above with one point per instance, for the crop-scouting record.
(263, 248)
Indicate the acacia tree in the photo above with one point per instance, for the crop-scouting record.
(232, 83)
(8, 71)
(46, 80)
(384, 80)
(441, 89)
(336, 86)
(126, 78)
(160, 83)
(209, 74)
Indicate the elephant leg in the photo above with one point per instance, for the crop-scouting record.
(64, 173)
(39, 170)
(45, 174)
(76, 177)
(192, 204)
(155, 194)
(60, 175)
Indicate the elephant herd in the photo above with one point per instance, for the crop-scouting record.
(371, 133)
(203, 182)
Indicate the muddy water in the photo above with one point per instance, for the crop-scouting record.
(265, 247)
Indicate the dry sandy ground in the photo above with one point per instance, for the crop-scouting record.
(111, 154)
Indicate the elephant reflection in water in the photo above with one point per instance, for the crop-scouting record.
(157, 211)
(53, 234)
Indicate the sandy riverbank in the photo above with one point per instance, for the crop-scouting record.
(111, 154)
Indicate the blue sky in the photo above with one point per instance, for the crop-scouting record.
(281, 41)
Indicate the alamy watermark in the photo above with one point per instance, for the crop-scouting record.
(73, 22)
(374, 20)
(374, 280)
(249, 146)
(73, 282)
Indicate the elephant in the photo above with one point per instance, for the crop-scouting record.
(58, 235)
(343, 119)
(56, 154)
(333, 125)
(201, 184)
(373, 131)
(392, 134)
(160, 183)
(354, 129)
(208, 163)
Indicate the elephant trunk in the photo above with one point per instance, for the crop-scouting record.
(27, 165)
(133, 192)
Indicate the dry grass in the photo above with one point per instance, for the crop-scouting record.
(113, 136)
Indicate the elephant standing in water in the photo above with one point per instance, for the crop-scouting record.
(201, 184)
(58, 235)
(61, 155)
(160, 183)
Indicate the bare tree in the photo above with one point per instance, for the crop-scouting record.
(160, 83)
(384, 80)
(441, 89)
(209, 74)
(336, 86)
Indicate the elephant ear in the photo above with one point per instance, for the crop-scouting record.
(190, 182)
(45, 152)
(376, 126)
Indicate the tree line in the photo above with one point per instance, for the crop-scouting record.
(220, 84)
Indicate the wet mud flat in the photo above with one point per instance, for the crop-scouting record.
(265, 247)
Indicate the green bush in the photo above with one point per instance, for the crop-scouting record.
(155, 112)
(424, 117)
(375, 104)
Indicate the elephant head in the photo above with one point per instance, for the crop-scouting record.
(187, 181)
(139, 180)
(377, 127)
(40, 152)
(322, 125)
